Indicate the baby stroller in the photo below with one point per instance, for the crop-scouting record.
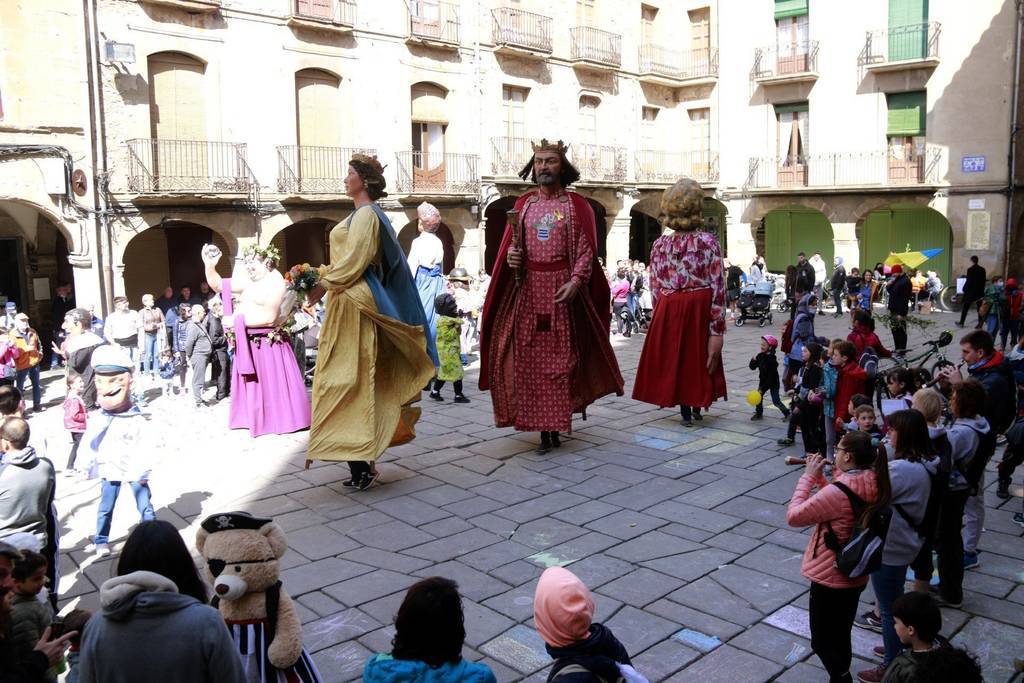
(755, 303)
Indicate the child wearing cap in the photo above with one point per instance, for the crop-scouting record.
(767, 366)
(115, 443)
(584, 652)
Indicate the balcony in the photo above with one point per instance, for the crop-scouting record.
(903, 47)
(191, 6)
(595, 49)
(793, 63)
(338, 16)
(509, 155)
(599, 163)
(188, 166)
(423, 173)
(662, 66)
(314, 170)
(434, 24)
(520, 33)
(657, 167)
(845, 169)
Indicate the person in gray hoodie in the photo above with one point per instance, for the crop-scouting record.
(27, 490)
(912, 464)
(964, 434)
(155, 625)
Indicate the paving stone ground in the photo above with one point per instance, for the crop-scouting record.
(680, 533)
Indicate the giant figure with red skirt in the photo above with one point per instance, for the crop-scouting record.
(681, 363)
(545, 353)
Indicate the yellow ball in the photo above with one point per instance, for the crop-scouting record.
(754, 397)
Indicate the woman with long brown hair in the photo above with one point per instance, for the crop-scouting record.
(863, 469)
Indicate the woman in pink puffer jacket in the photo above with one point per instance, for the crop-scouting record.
(834, 597)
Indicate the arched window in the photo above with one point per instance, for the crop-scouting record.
(317, 108)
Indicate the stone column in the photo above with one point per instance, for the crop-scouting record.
(845, 244)
(618, 232)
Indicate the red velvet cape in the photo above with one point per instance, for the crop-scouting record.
(598, 373)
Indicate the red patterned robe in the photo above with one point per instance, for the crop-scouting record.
(544, 361)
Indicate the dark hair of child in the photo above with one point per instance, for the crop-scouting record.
(867, 455)
(429, 626)
(968, 399)
(912, 441)
(864, 408)
(859, 400)
(903, 376)
(28, 565)
(156, 546)
(445, 305)
(920, 611)
(10, 399)
(847, 350)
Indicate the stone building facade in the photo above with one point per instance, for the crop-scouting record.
(811, 125)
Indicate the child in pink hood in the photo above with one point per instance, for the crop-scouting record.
(584, 652)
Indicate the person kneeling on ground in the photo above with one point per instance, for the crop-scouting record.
(429, 634)
(584, 652)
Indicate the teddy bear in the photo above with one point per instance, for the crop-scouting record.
(242, 555)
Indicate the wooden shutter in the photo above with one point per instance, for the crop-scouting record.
(319, 109)
(907, 113)
(700, 30)
(177, 105)
(908, 35)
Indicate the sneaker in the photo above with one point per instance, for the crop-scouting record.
(697, 416)
(461, 399)
(687, 423)
(785, 442)
(757, 416)
(556, 441)
(1001, 440)
(436, 395)
(971, 561)
(872, 675)
(1018, 518)
(879, 651)
(941, 601)
(1003, 489)
(350, 483)
(102, 549)
(869, 621)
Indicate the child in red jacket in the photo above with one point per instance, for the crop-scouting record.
(74, 416)
(863, 336)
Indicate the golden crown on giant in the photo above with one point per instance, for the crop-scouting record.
(546, 146)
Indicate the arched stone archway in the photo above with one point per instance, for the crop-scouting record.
(407, 234)
(305, 241)
(494, 228)
(644, 226)
(793, 228)
(907, 227)
(168, 255)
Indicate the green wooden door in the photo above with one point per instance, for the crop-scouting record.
(893, 229)
(908, 30)
(794, 229)
(716, 209)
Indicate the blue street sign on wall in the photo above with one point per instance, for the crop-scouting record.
(972, 164)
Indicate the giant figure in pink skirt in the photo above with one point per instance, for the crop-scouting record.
(268, 394)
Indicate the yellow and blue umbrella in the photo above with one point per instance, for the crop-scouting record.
(911, 259)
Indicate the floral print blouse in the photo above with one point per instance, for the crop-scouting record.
(690, 260)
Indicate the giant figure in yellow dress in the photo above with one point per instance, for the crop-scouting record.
(374, 356)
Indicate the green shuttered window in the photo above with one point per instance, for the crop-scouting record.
(907, 113)
(791, 108)
(790, 8)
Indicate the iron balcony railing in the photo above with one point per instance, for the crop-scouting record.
(304, 169)
(509, 156)
(448, 173)
(594, 45)
(188, 166)
(901, 43)
(845, 168)
(525, 30)
(660, 167)
(779, 61)
(599, 163)
(432, 20)
(679, 65)
(340, 12)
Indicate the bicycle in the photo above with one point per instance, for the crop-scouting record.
(922, 375)
(951, 299)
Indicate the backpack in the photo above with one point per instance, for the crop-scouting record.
(940, 483)
(869, 362)
(982, 454)
(1014, 303)
(860, 554)
(787, 336)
